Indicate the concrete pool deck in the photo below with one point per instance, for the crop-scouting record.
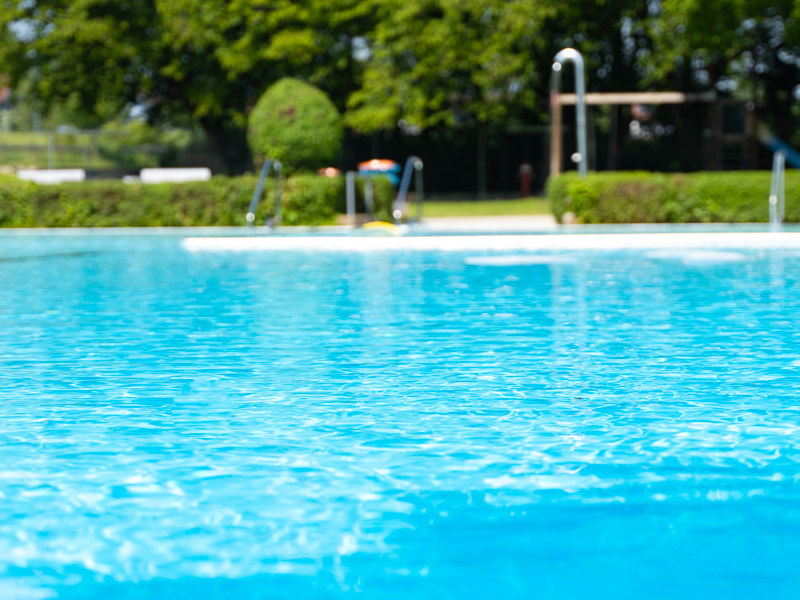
(494, 224)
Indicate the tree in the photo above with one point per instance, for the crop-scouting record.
(414, 63)
(449, 61)
(488, 61)
(204, 60)
(744, 48)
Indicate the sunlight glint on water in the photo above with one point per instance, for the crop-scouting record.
(407, 424)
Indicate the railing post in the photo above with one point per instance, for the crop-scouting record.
(259, 191)
(572, 55)
(262, 178)
(368, 201)
(412, 163)
(350, 190)
(777, 192)
(278, 209)
(555, 133)
(418, 184)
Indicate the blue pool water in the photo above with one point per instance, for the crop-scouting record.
(580, 424)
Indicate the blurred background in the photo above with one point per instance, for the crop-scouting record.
(113, 86)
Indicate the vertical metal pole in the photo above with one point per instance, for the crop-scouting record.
(570, 54)
(773, 195)
(580, 91)
(776, 192)
(418, 184)
(278, 213)
(555, 133)
(405, 182)
(262, 178)
(368, 197)
(350, 190)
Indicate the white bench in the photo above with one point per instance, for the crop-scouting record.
(52, 176)
(174, 175)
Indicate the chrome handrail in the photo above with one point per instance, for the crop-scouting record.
(777, 192)
(350, 196)
(413, 163)
(269, 164)
(572, 55)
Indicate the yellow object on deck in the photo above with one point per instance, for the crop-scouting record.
(381, 227)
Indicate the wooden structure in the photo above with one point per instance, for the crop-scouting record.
(719, 135)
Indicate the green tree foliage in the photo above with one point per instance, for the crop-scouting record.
(744, 48)
(488, 61)
(297, 124)
(201, 60)
(449, 61)
(417, 63)
(698, 43)
(610, 36)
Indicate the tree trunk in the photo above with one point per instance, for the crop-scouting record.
(229, 143)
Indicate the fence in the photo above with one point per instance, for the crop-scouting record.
(99, 150)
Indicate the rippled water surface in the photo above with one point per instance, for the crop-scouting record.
(178, 425)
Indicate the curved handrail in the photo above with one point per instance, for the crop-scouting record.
(413, 163)
(572, 55)
(777, 192)
(269, 164)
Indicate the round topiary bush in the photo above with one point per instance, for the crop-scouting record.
(297, 124)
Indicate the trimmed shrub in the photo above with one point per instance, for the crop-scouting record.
(297, 124)
(641, 197)
(305, 200)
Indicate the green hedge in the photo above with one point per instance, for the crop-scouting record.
(382, 196)
(306, 200)
(640, 197)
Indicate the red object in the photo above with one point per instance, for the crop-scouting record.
(329, 172)
(377, 164)
(525, 176)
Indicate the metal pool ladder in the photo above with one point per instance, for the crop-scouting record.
(571, 55)
(269, 164)
(777, 195)
(413, 163)
(350, 196)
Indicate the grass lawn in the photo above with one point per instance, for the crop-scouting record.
(483, 208)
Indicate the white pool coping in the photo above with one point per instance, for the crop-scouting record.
(488, 225)
(532, 243)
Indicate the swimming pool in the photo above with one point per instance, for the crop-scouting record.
(183, 419)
